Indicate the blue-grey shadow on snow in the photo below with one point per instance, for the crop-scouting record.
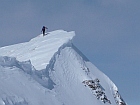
(42, 77)
(80, 53)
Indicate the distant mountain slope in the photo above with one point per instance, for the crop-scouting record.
(50, 70)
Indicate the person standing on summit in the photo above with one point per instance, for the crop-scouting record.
(43, 30)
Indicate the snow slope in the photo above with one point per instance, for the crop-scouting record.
(50, 70)
(40, 49)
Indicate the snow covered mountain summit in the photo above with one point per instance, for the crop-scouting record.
(50, 70)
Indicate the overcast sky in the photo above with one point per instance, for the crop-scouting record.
(107, 32)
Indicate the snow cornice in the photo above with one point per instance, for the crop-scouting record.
(40, 49)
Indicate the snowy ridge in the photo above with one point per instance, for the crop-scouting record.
(39, 47)
(50, 70)
(18, 85)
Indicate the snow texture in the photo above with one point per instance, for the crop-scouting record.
(50, 70)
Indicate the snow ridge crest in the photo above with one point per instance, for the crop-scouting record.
(40, 49)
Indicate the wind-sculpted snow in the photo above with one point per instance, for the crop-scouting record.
(50, 70)
(38, 50)
(21, 84)
(11, 62)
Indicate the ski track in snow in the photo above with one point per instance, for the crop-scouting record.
(50, 70)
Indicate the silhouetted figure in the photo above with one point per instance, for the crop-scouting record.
(43, 30)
